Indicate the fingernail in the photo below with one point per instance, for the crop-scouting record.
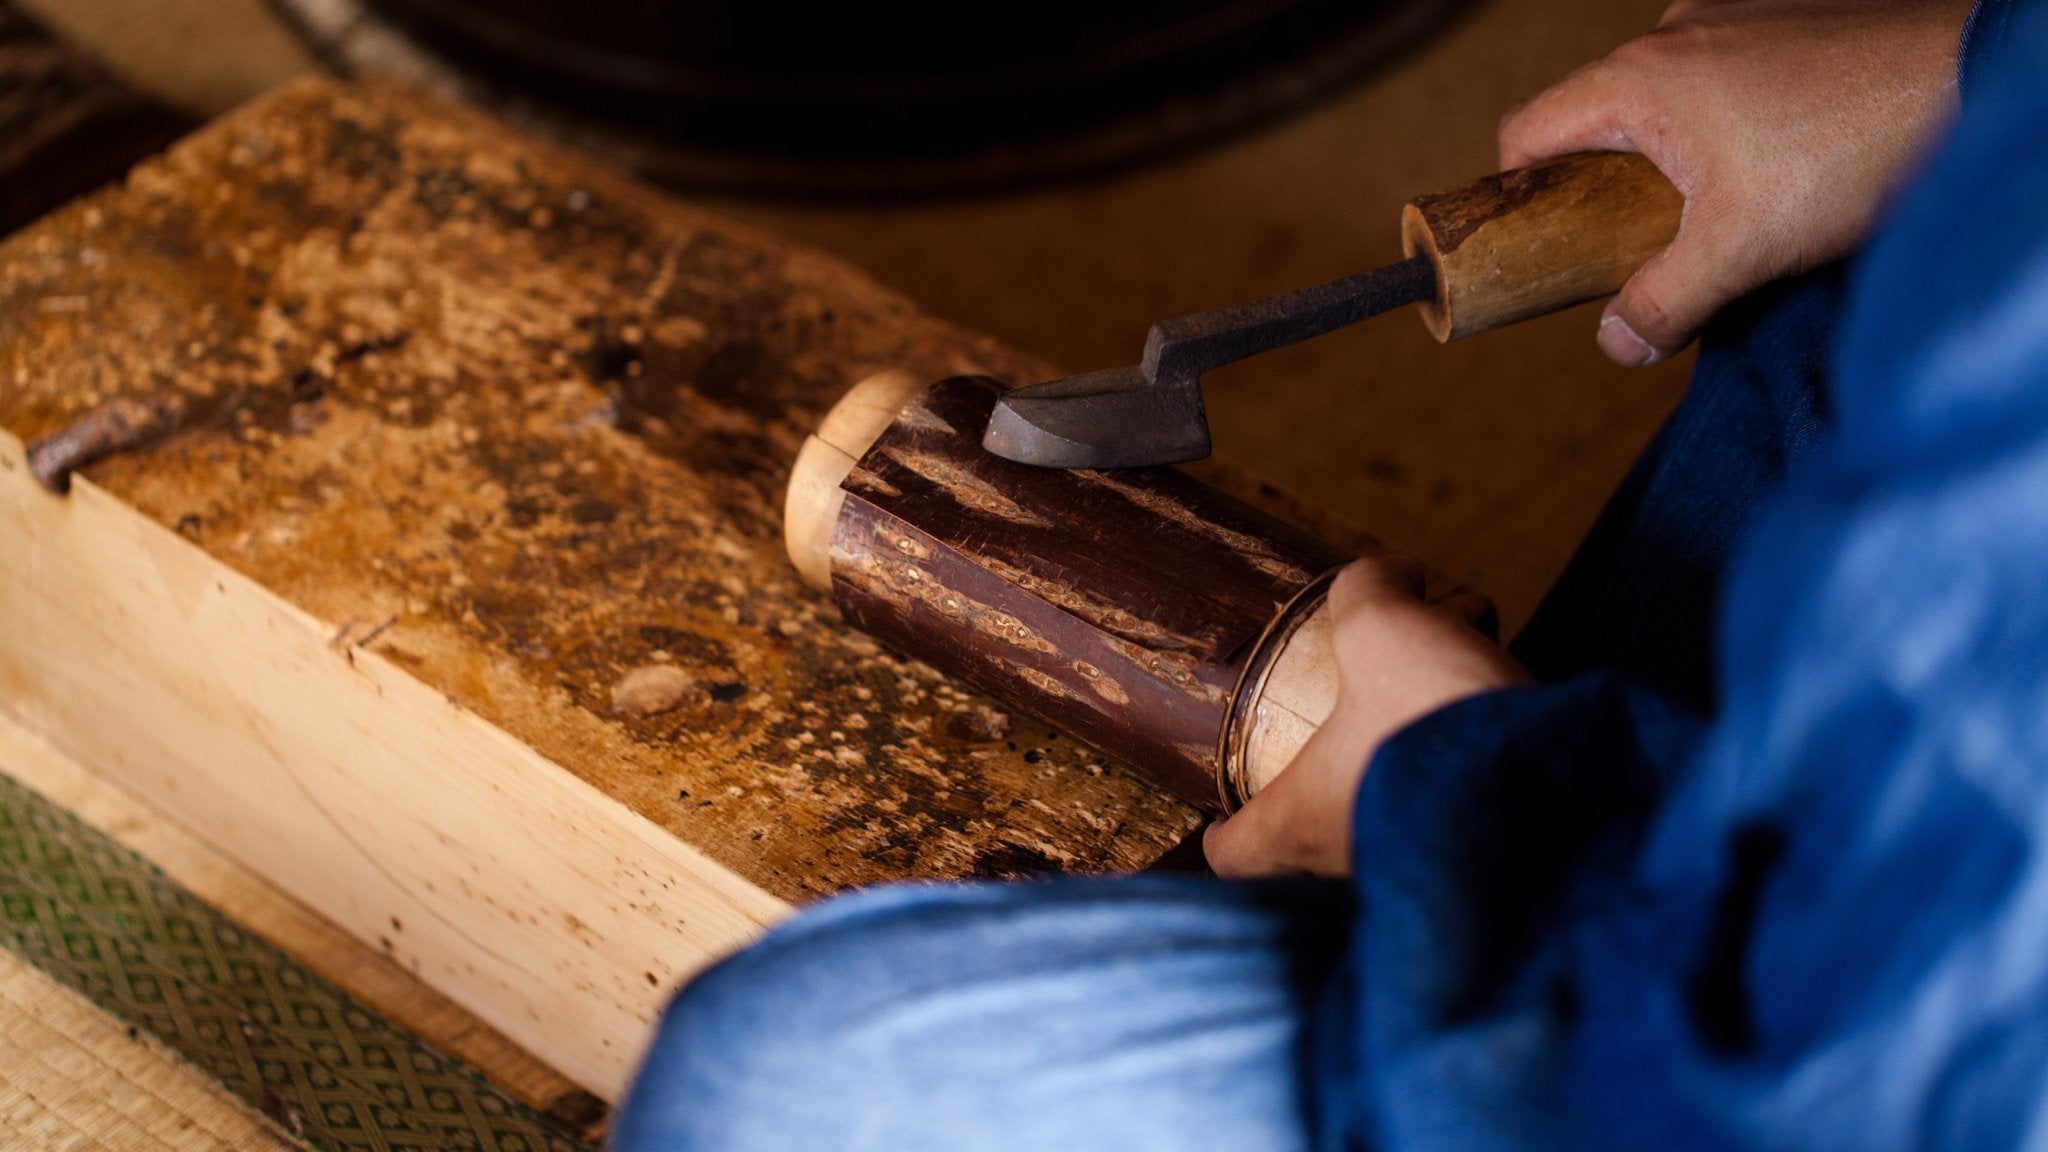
(1622, 345)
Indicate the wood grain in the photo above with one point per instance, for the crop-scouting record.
(525, 893)
(471, 431)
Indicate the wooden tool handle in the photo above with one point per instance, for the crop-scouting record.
(1521, 244)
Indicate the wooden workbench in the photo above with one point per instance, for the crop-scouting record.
(442, 581)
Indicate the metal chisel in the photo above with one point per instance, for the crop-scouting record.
(1502, 249)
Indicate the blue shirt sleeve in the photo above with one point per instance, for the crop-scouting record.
(1986, 35)
(1819, 918)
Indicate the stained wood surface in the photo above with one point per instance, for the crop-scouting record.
(526, 894)
(538, 420)
(446, 585)
(1489, 456)
(1118, 606)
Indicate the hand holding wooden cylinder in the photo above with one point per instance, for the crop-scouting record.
(1156, 618)
(1521, 244)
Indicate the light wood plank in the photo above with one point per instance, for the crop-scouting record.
(547, 908)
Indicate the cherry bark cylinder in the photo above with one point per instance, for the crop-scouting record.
(1173, 627)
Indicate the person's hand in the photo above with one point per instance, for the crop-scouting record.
(1398, 659)
(1785, 123)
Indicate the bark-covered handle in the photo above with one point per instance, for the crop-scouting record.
(1521, 244)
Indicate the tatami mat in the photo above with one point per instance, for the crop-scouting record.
(74, 1079)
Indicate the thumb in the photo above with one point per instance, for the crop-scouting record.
(1663, 306)
(1300, 821)
(1254, 841)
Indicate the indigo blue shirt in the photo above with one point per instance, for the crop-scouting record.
(1763, 862)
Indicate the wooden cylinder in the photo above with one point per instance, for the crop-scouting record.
(1167, 624)
(1521, 244)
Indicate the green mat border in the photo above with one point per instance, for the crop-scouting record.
(282, 1038)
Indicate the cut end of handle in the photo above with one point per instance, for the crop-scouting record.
(1417, 240)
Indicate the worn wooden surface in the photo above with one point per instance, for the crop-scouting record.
(532, 422)
(1118, 606)
(542, 904)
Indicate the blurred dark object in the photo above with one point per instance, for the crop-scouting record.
(907, 97)
(66, 126)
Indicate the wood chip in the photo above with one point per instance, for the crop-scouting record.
(651, 689)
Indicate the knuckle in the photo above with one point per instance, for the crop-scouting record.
(1600, 106)
(1348, 591)
(1219, 849)
(1222, 846)
(1400, 570)
(1254, 842)
(1474, 609)
(1373, 578)
(1646, 54)
(1632, 55)
(1513, 124)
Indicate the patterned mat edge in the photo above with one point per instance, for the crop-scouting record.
(104, 921)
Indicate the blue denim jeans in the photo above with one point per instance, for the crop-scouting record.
(1138, 1014)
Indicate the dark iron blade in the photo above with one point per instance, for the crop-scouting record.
(1113, 419)
(1152, 413)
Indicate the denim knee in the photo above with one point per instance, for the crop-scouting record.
(747, 1049)
(1079, 1013)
